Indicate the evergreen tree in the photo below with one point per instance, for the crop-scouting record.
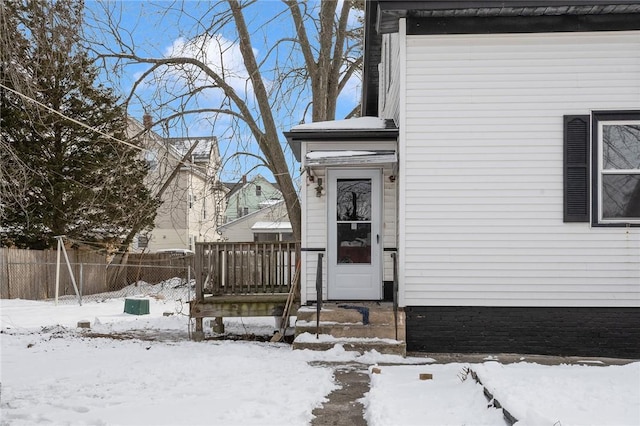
(82, 183)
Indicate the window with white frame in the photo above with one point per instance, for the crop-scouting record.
(617, 158)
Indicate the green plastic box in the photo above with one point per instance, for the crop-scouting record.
(136, 306)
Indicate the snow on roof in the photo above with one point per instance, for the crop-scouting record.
(328, 158)
(328, 154)
(182, 145)
(349, 124)
(270, 202)
(274, 225)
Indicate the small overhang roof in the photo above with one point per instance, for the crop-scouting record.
(363, 129)
(337, 158)
(271, 226)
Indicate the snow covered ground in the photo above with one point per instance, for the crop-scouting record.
(54, 373)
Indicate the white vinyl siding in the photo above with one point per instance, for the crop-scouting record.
(389, 227)
(314, 220)
(390, 76)
(482, 220)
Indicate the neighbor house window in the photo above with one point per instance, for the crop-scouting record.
(143, 241)
(602, 188)
(258, 190)
(617, 153)
(286, 236)
(261, 237)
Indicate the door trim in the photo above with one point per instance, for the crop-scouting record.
(368, 277)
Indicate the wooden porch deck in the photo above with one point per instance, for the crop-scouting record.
(243, 279)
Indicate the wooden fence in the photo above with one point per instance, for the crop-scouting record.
(31, 274)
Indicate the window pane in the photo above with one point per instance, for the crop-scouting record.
(620, 196)
(354, 199)
(287, 236)
(143, 241)
(621, 147)
(354, 242)
(262, 237)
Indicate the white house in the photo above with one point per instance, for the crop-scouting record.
(501, 163)
(193, 202)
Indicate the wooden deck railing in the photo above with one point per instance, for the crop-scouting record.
(225, 268)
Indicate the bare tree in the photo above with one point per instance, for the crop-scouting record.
(13, 171)
(316, 51)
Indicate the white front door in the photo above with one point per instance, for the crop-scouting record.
(355, 240)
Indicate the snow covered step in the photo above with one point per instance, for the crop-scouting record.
(325, 342)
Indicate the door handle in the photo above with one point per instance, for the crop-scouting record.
(378, 238)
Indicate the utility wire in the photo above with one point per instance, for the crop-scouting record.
(71, 119)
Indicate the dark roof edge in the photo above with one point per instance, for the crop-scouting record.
(402, 6)
(341, 134)
(369, 103)
(389, 11)
(295, 138)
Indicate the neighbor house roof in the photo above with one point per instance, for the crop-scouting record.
(206, 146)
(250, 216)
(234, 187)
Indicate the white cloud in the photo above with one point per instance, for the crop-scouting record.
(220, 54)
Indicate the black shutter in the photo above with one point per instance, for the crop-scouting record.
(576, 168)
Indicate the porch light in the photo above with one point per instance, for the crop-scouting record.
(310, 175)
(319, 188)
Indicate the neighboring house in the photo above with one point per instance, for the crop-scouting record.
(193, 202)
(270, 223)
(503, 168)
(255, 212)
(248, 196)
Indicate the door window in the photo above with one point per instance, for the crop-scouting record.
(353, 206)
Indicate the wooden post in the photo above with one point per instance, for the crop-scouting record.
(200, 249)
(58, 270)
(318, 293)
(217, 325)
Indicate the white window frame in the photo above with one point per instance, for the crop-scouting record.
(602, 172)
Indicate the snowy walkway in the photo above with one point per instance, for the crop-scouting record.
(344, 405)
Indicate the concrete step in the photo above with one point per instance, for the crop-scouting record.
(361, 345)
(335, 313)
(339, 330)
(359, 326)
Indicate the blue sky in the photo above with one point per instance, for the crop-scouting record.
(159, 28)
